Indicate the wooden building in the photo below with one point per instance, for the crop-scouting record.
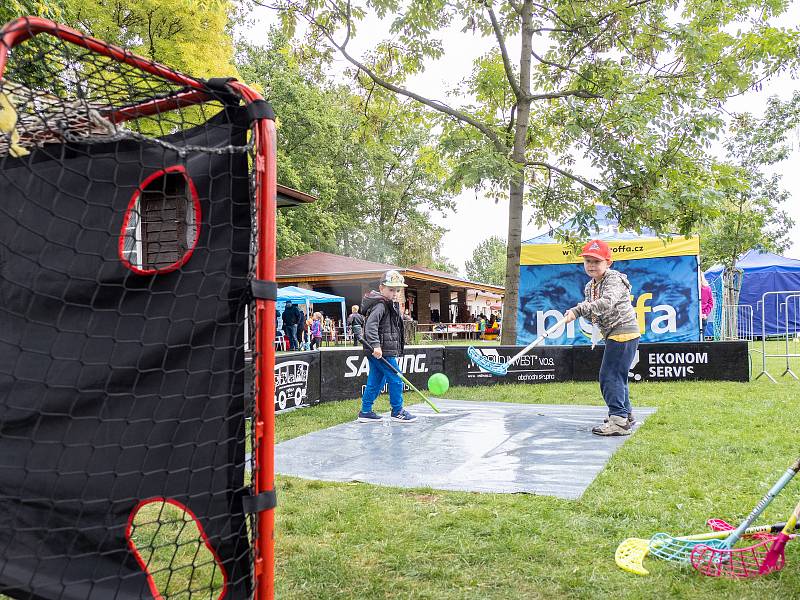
(431, 296)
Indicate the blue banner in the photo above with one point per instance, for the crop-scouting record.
(665, 296)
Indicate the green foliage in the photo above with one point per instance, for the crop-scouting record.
(34, 68)
(633, 90)
(749, 211)
(488, 263)
(12, 9)
(368, 158)
(186, 35)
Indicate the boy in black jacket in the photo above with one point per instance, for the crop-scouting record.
(384, 332)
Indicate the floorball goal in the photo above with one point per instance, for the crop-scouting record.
(137, 268)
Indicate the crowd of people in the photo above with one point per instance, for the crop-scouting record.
(304, 333)
(485, 324)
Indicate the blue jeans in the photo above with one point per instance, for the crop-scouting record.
(617, 359)
(379, 373)
(291, 333)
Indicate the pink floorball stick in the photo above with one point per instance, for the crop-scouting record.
(765, 557)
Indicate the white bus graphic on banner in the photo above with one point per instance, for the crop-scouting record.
(291, 384)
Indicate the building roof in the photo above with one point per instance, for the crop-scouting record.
(291, 197)
(325, 263)
(418, 272)
(424, 269)
(317, 266)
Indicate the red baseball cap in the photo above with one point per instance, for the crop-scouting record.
(597, 249)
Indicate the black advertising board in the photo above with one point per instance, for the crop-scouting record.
(303, 378)
(544, 364)
(586, 362)
(345, 370)
(297, 379)
(690, 361)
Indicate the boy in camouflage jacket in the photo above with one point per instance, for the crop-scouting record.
(608, 306)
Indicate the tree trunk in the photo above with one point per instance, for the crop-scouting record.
(517, 186)
(731, 287)
(511, 299)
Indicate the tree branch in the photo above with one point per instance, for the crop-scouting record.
(554, 15)
(501, 41)
(635, 4)
(434, 104)
(556, 65)
(587, 184)
(511, 119)
(564, 94)
(349, 24)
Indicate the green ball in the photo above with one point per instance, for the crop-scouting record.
(438, 384)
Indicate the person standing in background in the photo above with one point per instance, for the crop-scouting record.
(316, 331)
(291, 317)
(301, 330)
(706, 303)
(356, 321)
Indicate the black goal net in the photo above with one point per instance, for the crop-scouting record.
(136, 254)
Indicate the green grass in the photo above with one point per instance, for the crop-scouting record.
(711, 450)
(169, 543)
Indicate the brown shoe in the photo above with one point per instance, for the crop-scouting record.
(613, 426)
(631, 420)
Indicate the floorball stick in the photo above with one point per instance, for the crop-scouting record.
(496, 368)
(631, 552)
(762, 558)
(679, 549)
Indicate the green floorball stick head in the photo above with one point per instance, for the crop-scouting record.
(438, 384)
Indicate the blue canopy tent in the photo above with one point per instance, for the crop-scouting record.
(298, 295)
(664, 275)
(766, 272)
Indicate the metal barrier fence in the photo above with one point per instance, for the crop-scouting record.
(787, 320)
(737, 323)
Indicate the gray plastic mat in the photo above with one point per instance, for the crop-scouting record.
(472, 446)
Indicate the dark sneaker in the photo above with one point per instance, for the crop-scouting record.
(631, 420)
(613, 426)
(369, 417)
(403, 417)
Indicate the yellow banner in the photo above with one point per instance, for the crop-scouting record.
(558, 254)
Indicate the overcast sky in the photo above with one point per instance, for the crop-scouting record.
(476, 217)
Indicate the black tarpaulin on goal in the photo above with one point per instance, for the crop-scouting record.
(120, 390)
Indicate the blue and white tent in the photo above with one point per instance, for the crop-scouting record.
(767, 272)
(300, 296)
